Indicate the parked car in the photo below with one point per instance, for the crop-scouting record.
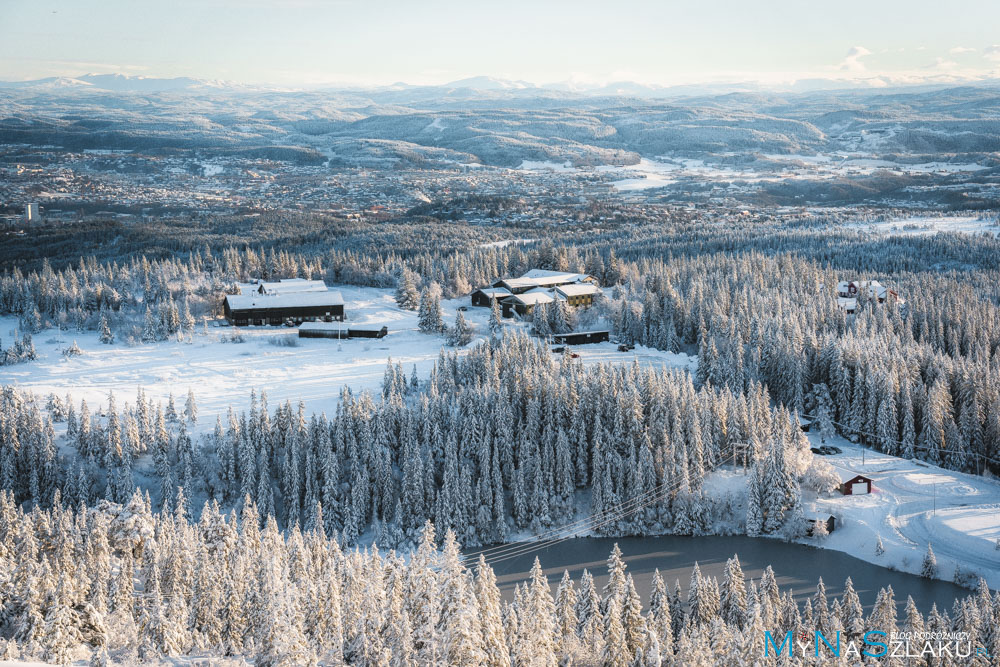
(559, 350)
(625, 347)
(574, 355)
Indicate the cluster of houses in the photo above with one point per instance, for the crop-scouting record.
(536, 287)
(318, 311)
(849, 291)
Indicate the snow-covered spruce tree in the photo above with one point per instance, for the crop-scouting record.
(496, 321)
(187, 320)
(407, 296)
(733, 596)
(615, 652)
(487, 595)
(589, 619)
(461, 333)
(929, 566)
(429, 317)
(540, 320)
(824, 409)
(756, 499)
(104, 330)
(190, 407)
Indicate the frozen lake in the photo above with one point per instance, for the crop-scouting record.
(797, 567)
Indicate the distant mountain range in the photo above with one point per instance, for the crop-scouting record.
(120, 83)
(495, 86)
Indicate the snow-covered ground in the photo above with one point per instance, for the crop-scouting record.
(912, 504)
(665, 170)
(508, 242)
(546, 165)
(932, 225)
(647, 174)
(646, 356)
(222, 373)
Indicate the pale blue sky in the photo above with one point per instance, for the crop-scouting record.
(295, 42)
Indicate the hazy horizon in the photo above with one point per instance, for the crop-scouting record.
(308, 43)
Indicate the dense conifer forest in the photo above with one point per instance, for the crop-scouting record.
(132, 530)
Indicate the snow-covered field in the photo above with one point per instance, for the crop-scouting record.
(546, 165)
(647, 174)
(665, 170)
(932, 225)
(913, 503)
(222, 373)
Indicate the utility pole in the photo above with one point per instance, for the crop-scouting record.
(935, 499)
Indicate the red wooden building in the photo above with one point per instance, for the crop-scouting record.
(856, 486)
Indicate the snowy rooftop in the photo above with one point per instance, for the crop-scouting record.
(580, 289)
(551, 276)
(323, 326)
(290, 300)
(284, 286)
(851, 288)
(540, 278)
(495, 292)
(534, 297)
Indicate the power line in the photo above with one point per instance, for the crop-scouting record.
(577, 528)
(584, 523)
(491, 551)
(580, 522)
(537, 547)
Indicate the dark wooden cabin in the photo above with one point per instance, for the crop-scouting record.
(581, 337)
(296, 307)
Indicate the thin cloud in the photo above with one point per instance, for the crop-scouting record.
(942, 63)
(993, 53)
(852, 62)
(961, 49)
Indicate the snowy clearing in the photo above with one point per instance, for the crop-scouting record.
(545, 165)
(223, 373)
(643, 176)
(923, 226)
(912, 503)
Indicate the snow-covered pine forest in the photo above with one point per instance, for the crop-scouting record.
(133, 585)
(500, 440)
(756, 302)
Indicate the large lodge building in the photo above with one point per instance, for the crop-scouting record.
(294, 300)
(536, 287)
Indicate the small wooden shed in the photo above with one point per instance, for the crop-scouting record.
(830, 521)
